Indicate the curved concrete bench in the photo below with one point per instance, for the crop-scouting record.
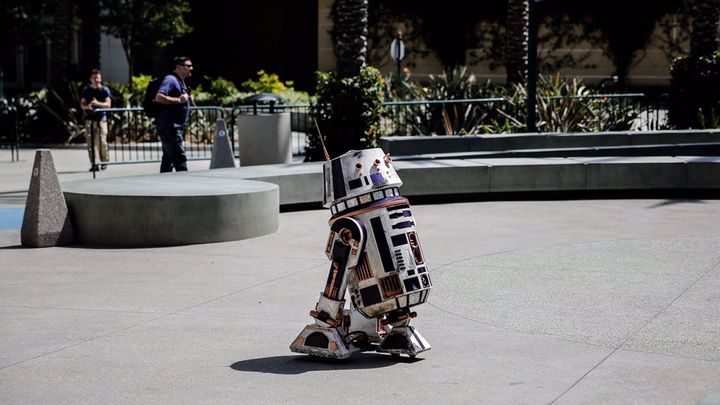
(238, 203)
(170, 209)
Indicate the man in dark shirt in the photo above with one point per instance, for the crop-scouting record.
(175, 98)
(94, 96)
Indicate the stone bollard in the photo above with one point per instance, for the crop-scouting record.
(46, 221)
(222, 153)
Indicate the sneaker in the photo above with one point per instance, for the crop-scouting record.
(103, 167)
(94, 168)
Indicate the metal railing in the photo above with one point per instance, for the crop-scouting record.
(602, 112)
(132, 136)
(633, 111)
(428, 117)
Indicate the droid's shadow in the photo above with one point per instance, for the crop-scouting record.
(300, 364)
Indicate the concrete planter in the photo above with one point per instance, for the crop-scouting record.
(264, 139)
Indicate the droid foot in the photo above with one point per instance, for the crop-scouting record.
(322, 342)
(404, 340)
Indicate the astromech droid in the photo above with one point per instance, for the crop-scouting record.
(376, 260)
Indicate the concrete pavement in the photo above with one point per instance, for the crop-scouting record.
(567, 302)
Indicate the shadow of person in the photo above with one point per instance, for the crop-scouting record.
(300, 364)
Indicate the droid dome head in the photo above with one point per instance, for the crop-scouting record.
(358, 173)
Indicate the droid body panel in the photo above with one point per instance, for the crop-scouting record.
(376, 259)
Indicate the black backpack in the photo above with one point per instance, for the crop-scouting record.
(152, 108)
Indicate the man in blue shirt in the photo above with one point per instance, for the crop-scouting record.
(93, 96)
(175, 98)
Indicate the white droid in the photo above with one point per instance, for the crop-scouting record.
(376, 258)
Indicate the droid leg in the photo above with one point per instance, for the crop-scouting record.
(403, 338)
(328, 336)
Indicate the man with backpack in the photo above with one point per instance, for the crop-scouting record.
(173, 96)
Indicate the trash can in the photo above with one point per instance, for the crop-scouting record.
(264, 137)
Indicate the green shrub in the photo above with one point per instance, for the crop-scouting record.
(271, 83)
(402, 88)
(267, 83)
(29, 115)
(694, 96)
(60, 113)
(210, 91)
(347, 111)
(221, 92)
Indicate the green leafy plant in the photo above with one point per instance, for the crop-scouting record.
(618, 114)
(62, 103)
(347, 111)
(267, 83)
(29, 114)
(562, 106)
(693, 94)
(223, 91)
(455, 83)
(271, 83)
(441, 118)
(220, 92)
(567, 106)
(402, 87)
(709, 119)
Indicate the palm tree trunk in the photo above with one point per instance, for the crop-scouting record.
(350, 21)
(89, 13)
(61, 41)
(516, 40)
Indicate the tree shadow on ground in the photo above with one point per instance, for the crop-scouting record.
(75, 171)
(300, 364)
(677, 201)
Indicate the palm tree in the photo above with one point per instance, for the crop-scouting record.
(61, 41)
(89, 13)
(350, 22)
(347, 111)
(516, 40)
(705, 17)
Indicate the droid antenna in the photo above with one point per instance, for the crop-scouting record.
(327, 156)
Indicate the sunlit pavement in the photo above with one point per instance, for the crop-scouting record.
(586, 301)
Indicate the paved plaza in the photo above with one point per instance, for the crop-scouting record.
(612, 301)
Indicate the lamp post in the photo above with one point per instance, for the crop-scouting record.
(531, 125)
